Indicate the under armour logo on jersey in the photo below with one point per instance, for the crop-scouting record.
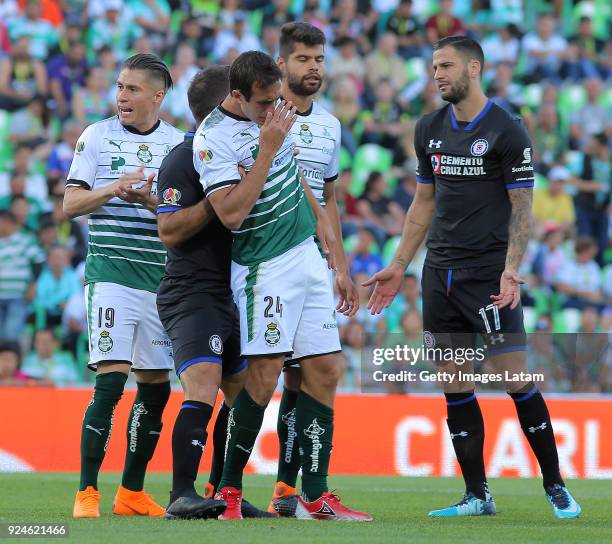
(463, 434)
(498, 339)
(326, 510)
(541, 427)
(527, 155)
(435, 143)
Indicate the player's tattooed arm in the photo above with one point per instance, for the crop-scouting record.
(520, 225)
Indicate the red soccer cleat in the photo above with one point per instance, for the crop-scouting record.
(328, 506)
(233, 499)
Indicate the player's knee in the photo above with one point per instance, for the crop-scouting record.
(262, 380)
(201, 382)
(324, 372)
(293, 378)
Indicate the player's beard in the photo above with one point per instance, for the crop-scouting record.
(459, 90)
(300, 87)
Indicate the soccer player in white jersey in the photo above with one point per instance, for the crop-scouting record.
(112, 179)
(317, 136)
(279, 280)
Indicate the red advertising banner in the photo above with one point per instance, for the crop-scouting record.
(377, 435)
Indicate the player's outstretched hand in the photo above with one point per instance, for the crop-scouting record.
(277, 125)
(509, 290)
(387, 284)
(348, 302)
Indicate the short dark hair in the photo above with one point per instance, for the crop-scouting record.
(253, 68)
(467, 47)
(152, 64)
(207, 90)
(305, 33)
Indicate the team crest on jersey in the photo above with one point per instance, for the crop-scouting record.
(272, 334)
(143, 153)
(205, 155)
(215, 343)
(305, 134)
(479, 148)
(436, 162)
(80, 146)
(105, 343)
(171, 195)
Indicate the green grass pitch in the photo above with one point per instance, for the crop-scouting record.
(399, 505)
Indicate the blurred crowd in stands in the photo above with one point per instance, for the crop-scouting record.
(549, 62)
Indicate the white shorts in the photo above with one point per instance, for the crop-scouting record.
(286, 305)
(123, 325)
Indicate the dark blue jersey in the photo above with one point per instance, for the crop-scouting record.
(201, 263)
(472, 166)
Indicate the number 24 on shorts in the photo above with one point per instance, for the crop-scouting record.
(269, 303)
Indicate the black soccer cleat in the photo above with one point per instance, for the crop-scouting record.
(193, 506)
(250, 511)
(284, 507)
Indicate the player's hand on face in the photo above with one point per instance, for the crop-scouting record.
(348, 296)
(277, 125)
(509, 290)
(387, 284)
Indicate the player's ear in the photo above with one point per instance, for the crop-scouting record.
(159, 96)
(237, 95)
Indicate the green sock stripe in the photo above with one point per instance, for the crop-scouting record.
(251, 281)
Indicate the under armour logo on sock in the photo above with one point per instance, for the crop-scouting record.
(538, 428)
(462, 433)
(197, 443)
(99, 431)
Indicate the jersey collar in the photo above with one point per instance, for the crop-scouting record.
(232, 115)
(146, 132)
(303, 113)
(472, 124)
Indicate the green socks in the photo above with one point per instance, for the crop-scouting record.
(243, 426)
(315, 428)
(143, 430)
(97, 425)
(289, 456)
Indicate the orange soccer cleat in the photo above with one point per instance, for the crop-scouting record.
(284, 500)
(87, 504)
(136, 503)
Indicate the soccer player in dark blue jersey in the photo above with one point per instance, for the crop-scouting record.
(474, 198)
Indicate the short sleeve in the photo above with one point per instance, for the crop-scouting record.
(215, 162)
(424, 172)
(515, 154)
(331, 172)
(178, 186)
(82, 171)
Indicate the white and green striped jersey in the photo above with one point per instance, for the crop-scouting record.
(281, 218)
(19, 252)
(123, 247)
(317, 136)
